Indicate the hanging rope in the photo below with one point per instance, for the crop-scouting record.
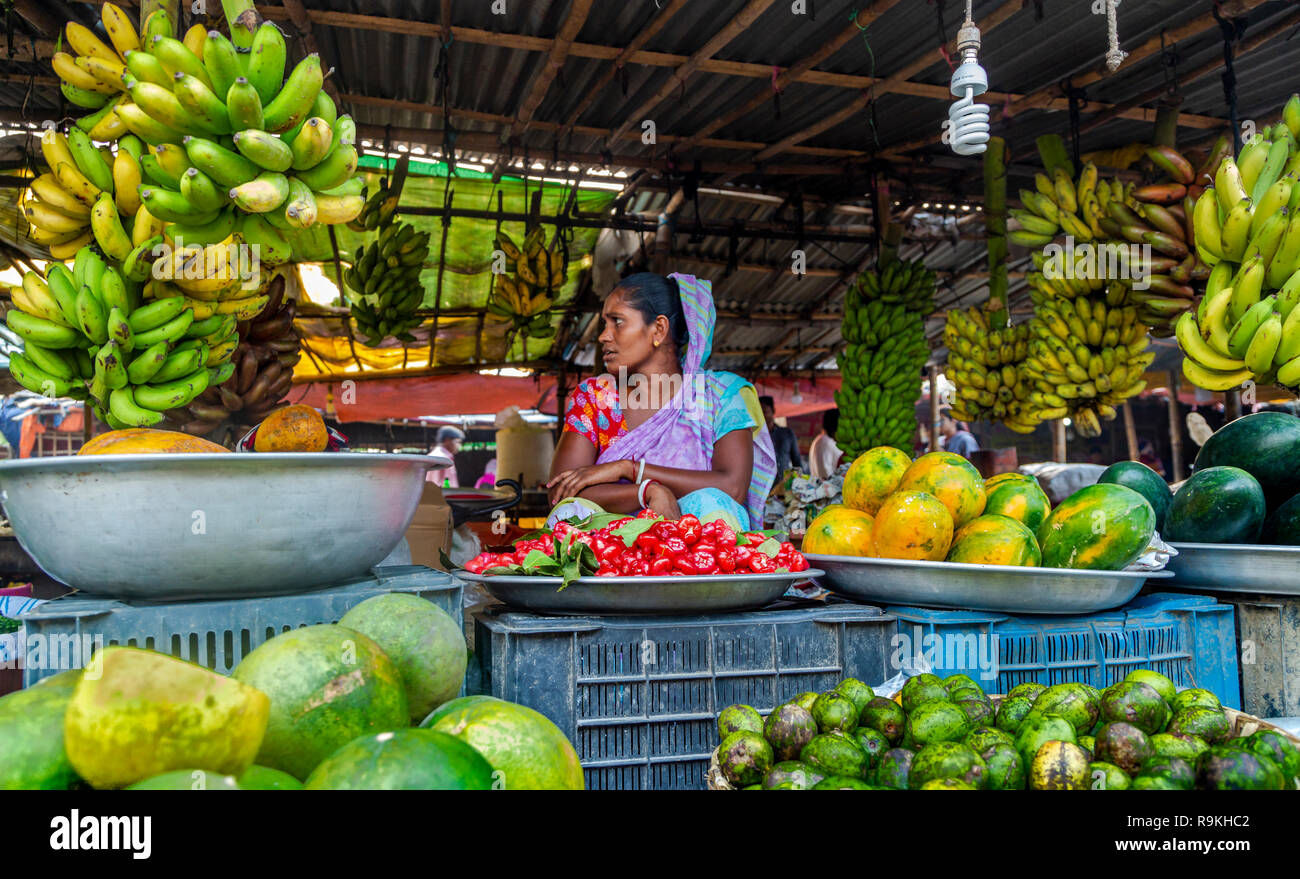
(870, 92)
(1078, 100)
(1232, 30)
(1114, 54)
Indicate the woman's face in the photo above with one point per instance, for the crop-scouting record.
(628, 341)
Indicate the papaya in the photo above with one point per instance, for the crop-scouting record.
(146, 441)
(296, 428)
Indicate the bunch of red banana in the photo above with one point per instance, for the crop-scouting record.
(1160, 216)
(269, 348)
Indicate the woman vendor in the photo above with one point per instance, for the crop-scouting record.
(658, 430)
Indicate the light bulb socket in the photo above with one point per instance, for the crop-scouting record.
(969, 75)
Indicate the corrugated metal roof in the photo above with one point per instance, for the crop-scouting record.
(1022, 54)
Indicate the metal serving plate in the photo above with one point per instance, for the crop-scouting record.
(999, 588)
(210, 525)
(639, 595)
(1237, 567)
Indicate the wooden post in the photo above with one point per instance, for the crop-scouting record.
(934, 407)
(1231, 405)
(1058, 440)
(995, 225)
(1130, 431)
(1175, 429)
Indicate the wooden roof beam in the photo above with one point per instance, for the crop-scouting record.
(302, 23)
(732, 29)
(560, 46)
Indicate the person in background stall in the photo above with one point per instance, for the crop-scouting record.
(661, 431)
(449, 440)
(824, 454)
(489, 477)
(956, 438)
(784, 441)
(1147, 455)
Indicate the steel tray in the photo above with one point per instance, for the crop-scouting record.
(1237, 567)
(999, 588)
(639, 595)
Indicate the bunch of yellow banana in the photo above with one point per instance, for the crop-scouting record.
(1060, 204)
(983, 362)
(1085, 358)
(1246, 326)
(88, 334)
(91, 74)
(526, 297)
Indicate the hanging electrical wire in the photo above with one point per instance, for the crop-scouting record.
(967, 128)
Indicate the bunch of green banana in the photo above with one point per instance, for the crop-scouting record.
(384, 280)
(89, 334)
(378, 210)
(1246, 326)
(983, 363)
(525, 292)
(263, 362)
(886, 352)
(1085, 358)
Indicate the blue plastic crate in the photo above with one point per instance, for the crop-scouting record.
(216, 634)
(639, 697)
(1189, 639)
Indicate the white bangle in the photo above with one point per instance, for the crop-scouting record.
(640, 472)
(640, 491)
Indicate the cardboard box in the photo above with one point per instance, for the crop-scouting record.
(430, 530)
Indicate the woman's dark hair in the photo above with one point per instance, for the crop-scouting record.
(653, 295)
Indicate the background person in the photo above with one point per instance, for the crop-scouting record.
(824, 454)
(449, 441)
(784, 442)
(704, 450)
(956, 438)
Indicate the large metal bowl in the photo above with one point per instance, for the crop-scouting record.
(639, 595)
(998, 588)
(1237, 567)
(210, 525)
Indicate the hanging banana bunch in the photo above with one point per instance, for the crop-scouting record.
(984, 365)
(384, 278)
(525, 292)
(1247, 327)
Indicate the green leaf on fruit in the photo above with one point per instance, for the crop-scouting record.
(629, 532)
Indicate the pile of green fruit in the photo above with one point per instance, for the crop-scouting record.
(884, 326)
(947, 734)
(984, 364)
(384, 278)
(1246, 327)
(86, 334)
(1246, 485)
(281, 720)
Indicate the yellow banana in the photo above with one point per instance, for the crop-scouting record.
(1263, 345)
(126, 183)
(48, 190)
(68, 249)
(67, 69)
(1196, 347)
(109, 72)
(121, 33)
(46, 218)
(1213, 380)
(84, 42)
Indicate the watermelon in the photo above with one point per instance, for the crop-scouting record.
(529, 751)
(1146, 482)
(266, 778)
(31, 737)
(1101, 527)
(1282, 527)
(1266, 445)
(1217, 505)
(455, 704)
(328, 685)
(136, 714)
(422, 640)
(188, 779)
(404, 759)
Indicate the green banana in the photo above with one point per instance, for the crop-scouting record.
(179, 364)
(213, 232)
(200, 102)
(170, 331)
(227, 167)
(221, 63)
(37, 380)
(272, 246)
(264, 150)
(119, 331)
(154, 315)
(300, 209)
(50, 360)
(173, 394)
(144, 126)
(297, 96)
(91, 316)
(173, 207)
(122, 406)
(266, 62)
(146, 68)
(139, 262)
(147, 363)
(334, 169)
(201, 191)
(1244, 329)
(108, 366)
(89, 160)
(176, 57)
(265, 192)
(311, 144)
(243, 105)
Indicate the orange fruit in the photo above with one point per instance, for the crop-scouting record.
(950, 478)
(839, 531)
(1023, 501)
(913, 525)
(874, 476)
(995, 540)
(144, 440)
(295, 428)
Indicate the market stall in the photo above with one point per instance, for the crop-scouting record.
(247, 232)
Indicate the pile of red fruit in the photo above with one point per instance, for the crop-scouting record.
(681, 548)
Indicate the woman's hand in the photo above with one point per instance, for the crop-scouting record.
(660, 499)
(570, 483)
